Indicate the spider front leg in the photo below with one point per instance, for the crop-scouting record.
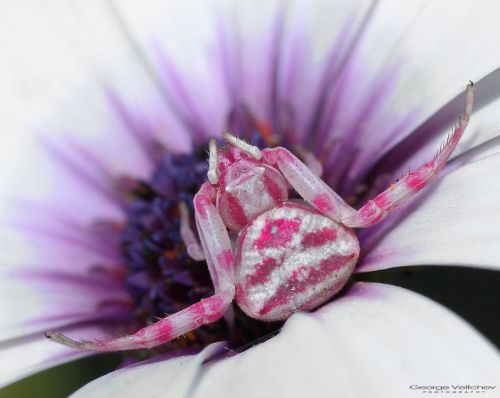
(219, 256)
(405, 188)
(204, 312)
(214, 239)
(321, 196)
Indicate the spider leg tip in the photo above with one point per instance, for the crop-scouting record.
(64, 340)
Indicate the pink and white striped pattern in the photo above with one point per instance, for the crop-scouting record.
(292, 258)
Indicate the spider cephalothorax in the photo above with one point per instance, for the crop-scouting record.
(273, 256)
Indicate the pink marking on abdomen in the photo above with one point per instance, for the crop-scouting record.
(316, 300)
(323, 203)
(319, 238)
(303, 277)
(277, 233)
(262, 272)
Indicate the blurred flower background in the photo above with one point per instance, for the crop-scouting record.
(100, 80)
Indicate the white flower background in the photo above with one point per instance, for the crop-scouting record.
(55, 56)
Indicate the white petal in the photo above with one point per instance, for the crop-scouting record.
(55, 59)
(375, 342)
(178, 377)
(435, 62)
(23, 357)
(188, 33)
(48, 290)
(35, 306)
(479, 137)
(441, 45)
(456, 224)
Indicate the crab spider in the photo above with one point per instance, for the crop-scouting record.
(287, 256)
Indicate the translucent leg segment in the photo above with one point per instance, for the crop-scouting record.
(193, 248)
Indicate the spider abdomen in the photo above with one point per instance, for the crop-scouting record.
(292, 258)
